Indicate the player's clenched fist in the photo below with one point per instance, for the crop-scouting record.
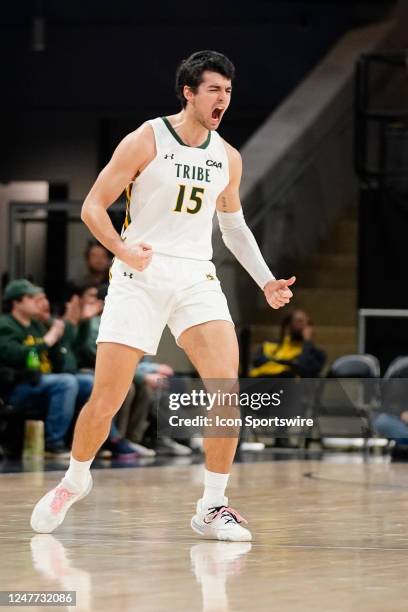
(277, 292)
(138, 256)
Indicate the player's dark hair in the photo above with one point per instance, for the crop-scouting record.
(190, 71)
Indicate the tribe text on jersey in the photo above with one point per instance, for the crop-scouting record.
(171, 204)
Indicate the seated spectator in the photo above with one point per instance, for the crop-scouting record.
(160, 379)
(393, 426)
(98, 262)
(91, 306)
(136, 419)
(391, 420)
(294, 354)
(65, 359)
(25, 344)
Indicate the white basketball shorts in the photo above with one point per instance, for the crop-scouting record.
(171, 291)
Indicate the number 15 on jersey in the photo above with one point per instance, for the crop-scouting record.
(195, 196)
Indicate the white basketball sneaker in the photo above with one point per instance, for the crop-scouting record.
(50, 511)
(220, 523)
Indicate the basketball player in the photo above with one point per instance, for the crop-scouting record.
(181, 170)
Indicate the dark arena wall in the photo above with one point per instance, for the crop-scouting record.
(76, 78)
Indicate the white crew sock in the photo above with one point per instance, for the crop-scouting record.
(77, 474)
(214, 488)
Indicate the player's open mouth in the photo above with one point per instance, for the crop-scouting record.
(217, 112)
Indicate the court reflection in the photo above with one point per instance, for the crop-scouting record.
(213, 563)
(50, 560)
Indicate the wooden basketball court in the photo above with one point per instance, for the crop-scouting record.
(327, 536)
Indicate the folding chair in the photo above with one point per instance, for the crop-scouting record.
(346, 397)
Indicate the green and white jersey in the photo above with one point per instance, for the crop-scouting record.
(171, 204)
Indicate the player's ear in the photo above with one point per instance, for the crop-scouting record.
(188, 94)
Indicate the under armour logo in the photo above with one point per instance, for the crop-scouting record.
(210, 277)
(130, 275)
(169, 155)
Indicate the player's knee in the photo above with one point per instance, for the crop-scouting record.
(102, 407)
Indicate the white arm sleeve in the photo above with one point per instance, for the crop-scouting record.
(239, 239)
